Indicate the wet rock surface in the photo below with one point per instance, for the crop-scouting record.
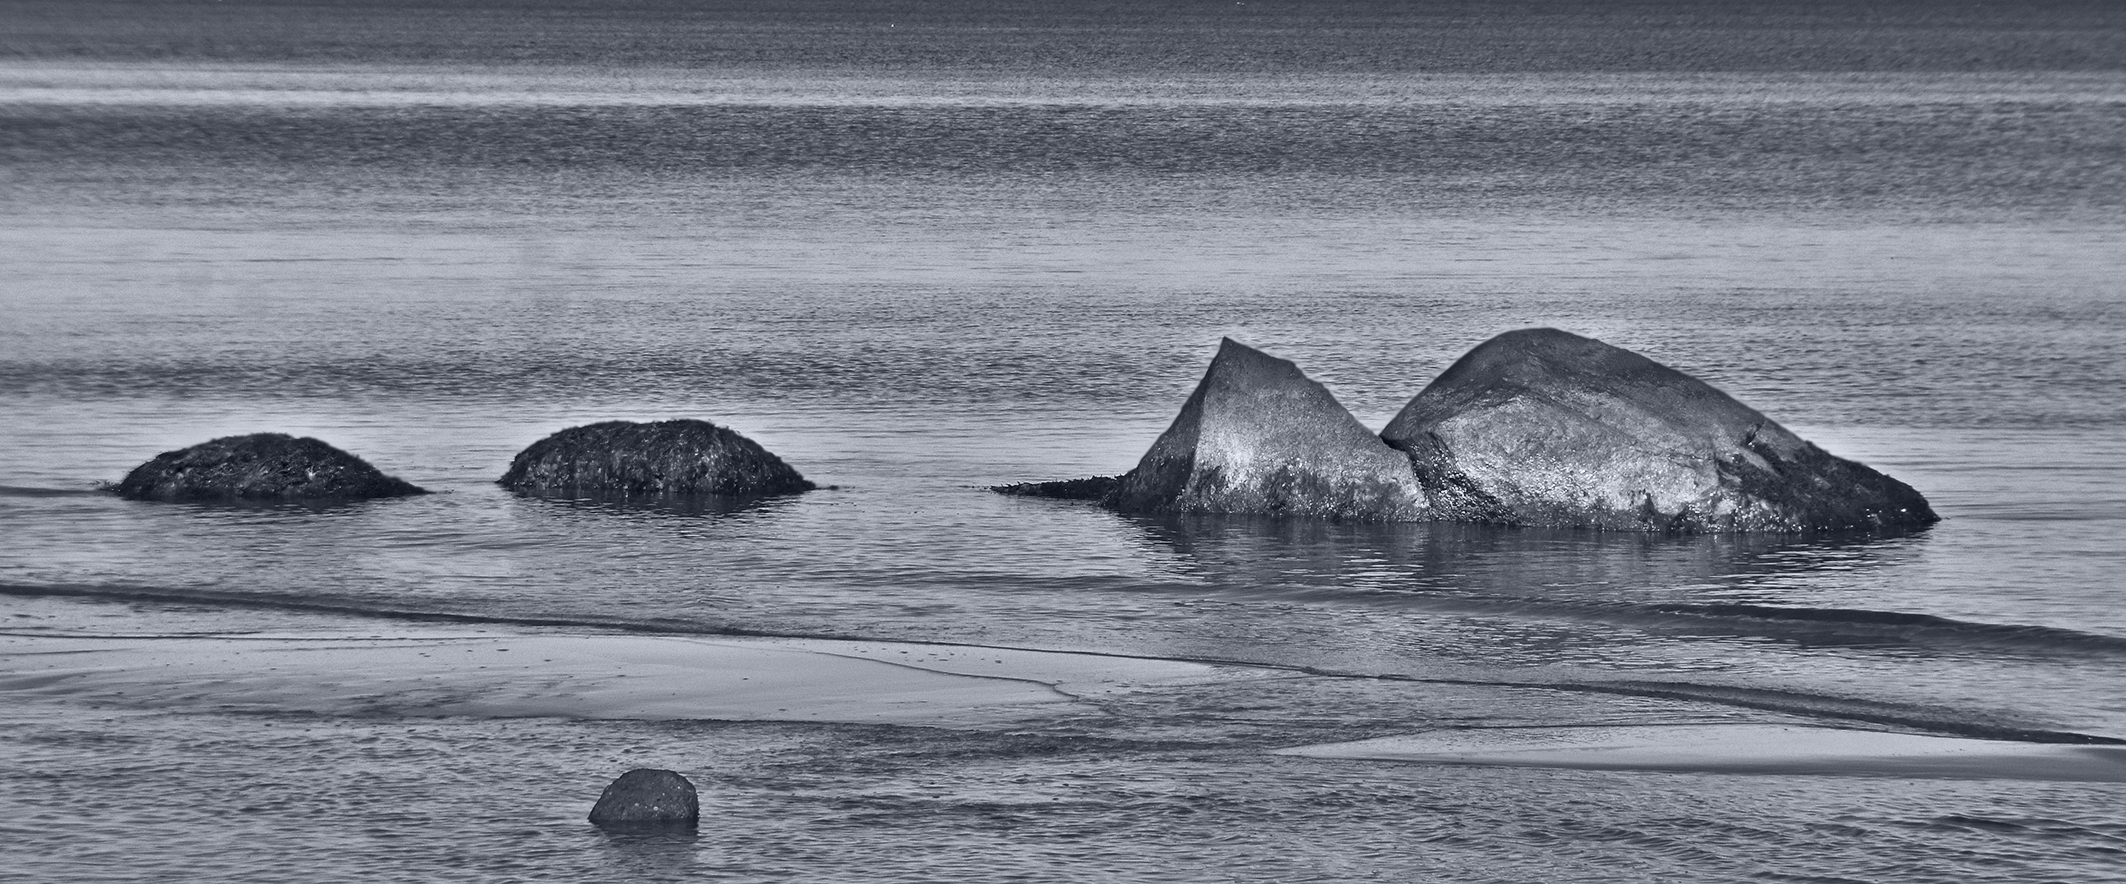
(666, 458)
(647, 797)
(1089, 488)
(260, 466)
(1258, 437)
(1544, 427)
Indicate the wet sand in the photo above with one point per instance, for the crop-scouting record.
(597, 676)
(108, 655)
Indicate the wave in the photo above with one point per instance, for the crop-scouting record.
(1916, 626)
(353, 609)
(1813, 626)
(28, 491)
(1936, 720)
(1842, 708)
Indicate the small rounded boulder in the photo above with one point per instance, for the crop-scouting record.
(677, 457)
(648, 797)
(260, 466)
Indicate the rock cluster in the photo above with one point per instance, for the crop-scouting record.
(260, 466)
(665, 460)
(1536, 427)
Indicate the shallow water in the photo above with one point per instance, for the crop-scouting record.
(915, 268)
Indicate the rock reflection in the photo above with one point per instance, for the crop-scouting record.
(242, 508)
(661, 506)
(1497, 560)
(1798, 589)
(651, 853)
(1775, 624)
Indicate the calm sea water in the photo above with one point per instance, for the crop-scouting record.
(918, 251)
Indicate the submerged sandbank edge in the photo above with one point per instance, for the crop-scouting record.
(1738, 749)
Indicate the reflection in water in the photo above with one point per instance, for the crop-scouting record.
(1496, 561)
(1711, 586)
(1729, 620)
(245, 510)
(659, 506)
(650, 853)
(28, 491)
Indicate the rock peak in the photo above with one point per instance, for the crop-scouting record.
(1258, 436)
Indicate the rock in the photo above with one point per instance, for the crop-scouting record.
(1258, 437)
(648, 796)
(1542, 427)
(679, 457)
(260, 466)
(1089, 488)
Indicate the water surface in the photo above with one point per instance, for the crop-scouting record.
(999, 247)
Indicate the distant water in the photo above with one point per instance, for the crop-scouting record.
(920, 251)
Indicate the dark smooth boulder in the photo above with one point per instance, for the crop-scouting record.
(648, 796)
(1258, 437)
(678, 457)
(1543, 427)
(260, 466)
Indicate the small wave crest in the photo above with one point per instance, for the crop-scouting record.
(1917, 627)
(353, 608)
(1959, 723)
(1814, 626)
(29, 491)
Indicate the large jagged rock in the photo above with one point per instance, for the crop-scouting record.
(647, 796)
(260, 466)
(678, 457)
(1258, 437)
(1543, 427)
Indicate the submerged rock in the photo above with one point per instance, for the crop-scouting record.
(648, 797)
(677, 457)
(1543, 427)
(1089, 488)
(1257, 436)
(260, 466)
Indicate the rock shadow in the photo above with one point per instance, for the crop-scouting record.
(651, 853)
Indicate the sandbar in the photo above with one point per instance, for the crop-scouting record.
(594, 676)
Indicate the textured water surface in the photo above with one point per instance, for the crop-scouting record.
(916, 252)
